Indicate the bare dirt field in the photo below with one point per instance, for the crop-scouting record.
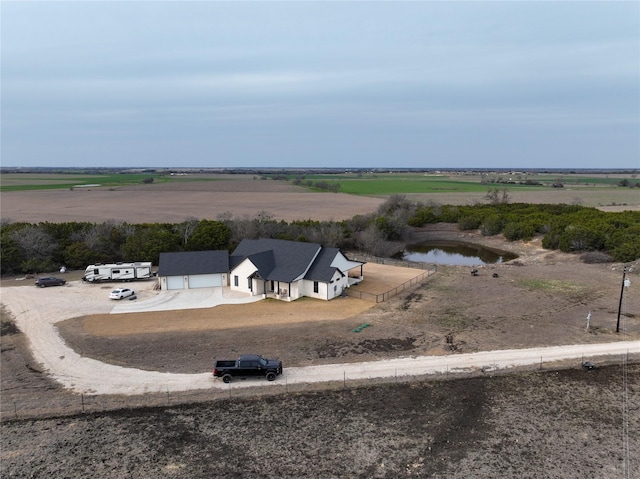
(244, 196)
(565, 424)
(556, 424)
(177, 202)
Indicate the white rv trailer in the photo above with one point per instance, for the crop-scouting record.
(117, 272)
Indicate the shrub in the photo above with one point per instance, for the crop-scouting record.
(492, 225)
(627, 251)
(593, 257)
(467, 223)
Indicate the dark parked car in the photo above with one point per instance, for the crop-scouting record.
(50, 281)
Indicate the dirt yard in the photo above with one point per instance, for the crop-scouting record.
(540, 299)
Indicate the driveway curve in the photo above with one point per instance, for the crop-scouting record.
(36, 311)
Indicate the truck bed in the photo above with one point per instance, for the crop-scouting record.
(225, 363)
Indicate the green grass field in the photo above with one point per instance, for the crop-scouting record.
(409, 183)
(45, 181)
(426, 184)
(374, 184)
(51, 181)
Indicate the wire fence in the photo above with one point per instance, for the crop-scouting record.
(428, 268)
(393, 262)
(66, 404)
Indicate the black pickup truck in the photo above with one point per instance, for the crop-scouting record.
(247, 365)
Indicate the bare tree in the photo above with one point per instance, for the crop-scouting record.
(496, 196)
(225, 217)
(369, 239)
(327, 233)
(34, 241)
(37, 246)
(186, 229)
(91, 237)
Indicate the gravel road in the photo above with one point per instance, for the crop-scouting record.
(36, 311)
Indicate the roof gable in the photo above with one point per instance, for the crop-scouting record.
(291, 259)
(193, 262)
(264, 262)
(322, 269)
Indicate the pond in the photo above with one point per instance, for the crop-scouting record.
(453, 253)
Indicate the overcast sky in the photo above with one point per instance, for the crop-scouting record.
(422, 84)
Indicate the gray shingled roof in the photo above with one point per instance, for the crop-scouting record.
(321, 270)
(193, 262)
(289, 260)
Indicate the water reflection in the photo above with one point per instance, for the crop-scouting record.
(455, 254)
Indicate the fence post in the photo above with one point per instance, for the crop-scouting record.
(82, 401)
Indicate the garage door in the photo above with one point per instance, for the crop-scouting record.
(175, 282)
(205, 280)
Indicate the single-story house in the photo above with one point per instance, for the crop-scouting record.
(194, 269)
(274, 268)
(291, 269)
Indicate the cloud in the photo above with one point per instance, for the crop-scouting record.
(114, 71)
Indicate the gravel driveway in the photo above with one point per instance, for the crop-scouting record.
(36, 312)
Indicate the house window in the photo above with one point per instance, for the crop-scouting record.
(250, 285)
(235, 281)
(315, 286)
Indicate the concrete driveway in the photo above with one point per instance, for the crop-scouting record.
(184, 299)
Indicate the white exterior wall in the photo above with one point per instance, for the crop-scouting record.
(258, 286)
(322, 290)
(243, 271)
(342, 283)
(297, 289)
(339, 282)
(326, 290)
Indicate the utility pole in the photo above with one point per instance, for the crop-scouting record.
(624, 274)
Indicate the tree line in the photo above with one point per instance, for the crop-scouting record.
(32, 248)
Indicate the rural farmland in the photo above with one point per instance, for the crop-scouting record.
(473, 427)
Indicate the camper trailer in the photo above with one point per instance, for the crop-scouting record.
(117, 272)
